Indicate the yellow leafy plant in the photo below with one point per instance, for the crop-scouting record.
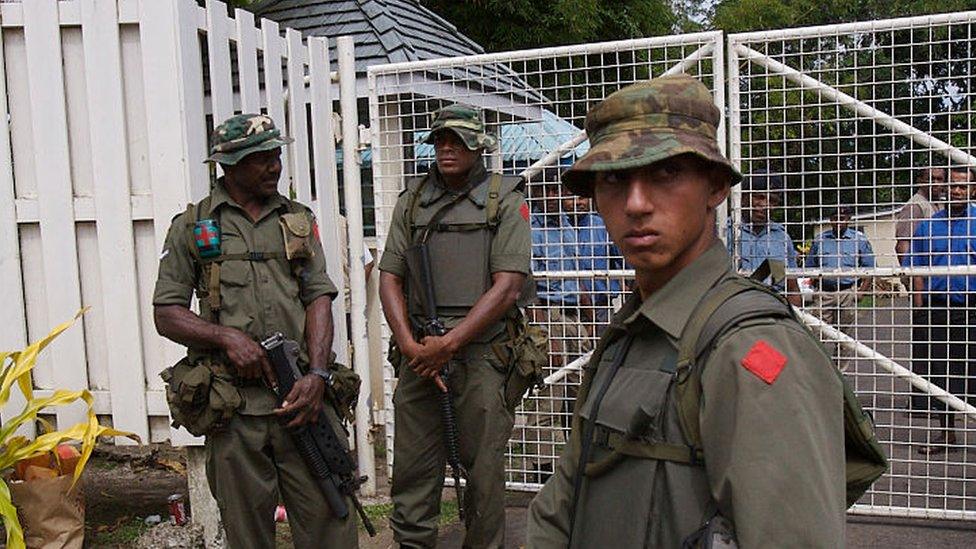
(15, 367)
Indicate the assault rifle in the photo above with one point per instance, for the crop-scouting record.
(318, 443)
(418, 263)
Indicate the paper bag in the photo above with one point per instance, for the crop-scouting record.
(52, 517)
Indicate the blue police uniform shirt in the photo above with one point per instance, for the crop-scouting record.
(598, 253)
(758, 243)
(944, 241)
(555, 248)
(852, 249)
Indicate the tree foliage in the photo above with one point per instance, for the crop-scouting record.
(500, 25)
(748, 15)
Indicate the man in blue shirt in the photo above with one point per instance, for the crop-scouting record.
(596, 253)
(760, 238)
(945, 304)
(555, 247)
(840, 248)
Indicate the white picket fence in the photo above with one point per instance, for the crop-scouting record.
(110, 104)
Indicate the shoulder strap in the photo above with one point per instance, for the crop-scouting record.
(414, 199)
(732, 301)
(209, 270)
(494, 197)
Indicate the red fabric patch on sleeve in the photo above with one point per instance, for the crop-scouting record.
(765, 361)
(524, 210)
(315, 230)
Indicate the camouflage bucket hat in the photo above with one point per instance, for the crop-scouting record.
(242, 135)
(467, 123)
(647, 122)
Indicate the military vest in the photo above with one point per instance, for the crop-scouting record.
(459, 244)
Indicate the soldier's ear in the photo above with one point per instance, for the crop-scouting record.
(719, 186)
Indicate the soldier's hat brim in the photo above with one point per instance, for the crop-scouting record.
(231, 158)
(641, 147)
(472, 139)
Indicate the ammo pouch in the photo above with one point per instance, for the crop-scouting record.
(344, 392)
(296, 228)
(200, 399)
(526, 351)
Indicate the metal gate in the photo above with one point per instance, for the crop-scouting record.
(854, 116)
(846, 116)
(535, 102)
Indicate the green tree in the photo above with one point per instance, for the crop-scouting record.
(523, 24)
(748, 15)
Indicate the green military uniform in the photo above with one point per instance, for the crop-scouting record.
(770, 457)
(760, 440)
(464, 253)
(251, 460)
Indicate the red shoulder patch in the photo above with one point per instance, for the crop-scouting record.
(524, 210)
(315, 230)
(765, 361)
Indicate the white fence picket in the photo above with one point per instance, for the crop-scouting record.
(218, 50)
(247, 62)
(274, 91)
(162, 75)
(116, 248)
(297, 121)
(326, 183)
(14, 336)
(55, 202)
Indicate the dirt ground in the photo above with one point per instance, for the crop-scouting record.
(124, 485)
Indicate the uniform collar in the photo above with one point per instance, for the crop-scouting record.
(220, 196)
(670, 307)
(436, 189)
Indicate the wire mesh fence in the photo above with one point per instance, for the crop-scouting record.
(855, 140)
(535, 102)
(846, 135)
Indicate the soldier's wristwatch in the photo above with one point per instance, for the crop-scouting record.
(326, 375)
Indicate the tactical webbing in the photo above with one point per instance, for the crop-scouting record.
(664, 451)
(491, 206)
(718, 311)
(589, 426)
(246, 256)
(210, 267)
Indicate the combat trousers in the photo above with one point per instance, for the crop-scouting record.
(419, 457)
(251, 462)
(839, 309)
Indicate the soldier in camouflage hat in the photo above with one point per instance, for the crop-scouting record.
(708, 416)
(254, 260)
(475, 227)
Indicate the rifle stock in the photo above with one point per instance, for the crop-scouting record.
(318, 443)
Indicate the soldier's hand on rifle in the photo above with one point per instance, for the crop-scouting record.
(434, 353)
(304, 400)
(247, 356)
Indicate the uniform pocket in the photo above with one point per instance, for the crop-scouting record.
(296, 230)
(634, 405)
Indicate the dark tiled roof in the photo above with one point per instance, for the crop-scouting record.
(385, 31)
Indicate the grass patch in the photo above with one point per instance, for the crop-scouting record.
(120, 534)
(449, 513)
